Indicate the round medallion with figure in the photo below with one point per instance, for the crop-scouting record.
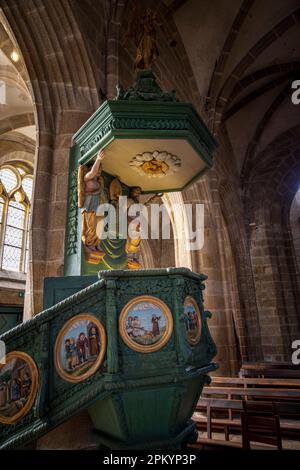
(192, 320)
(18, 386)
(145, 324)
(80, 348)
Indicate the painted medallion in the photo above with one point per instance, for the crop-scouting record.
(18, 386)
(145, 324)
(80, 348)
(192, 320)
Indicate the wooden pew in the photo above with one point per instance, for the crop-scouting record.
(272, 373)
(225, 395)
(270, 394)
(270, 370)
(260, 423)
(270, 365)
(289, 413)
(254, 382)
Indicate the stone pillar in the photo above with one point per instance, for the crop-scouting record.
(209, 260)
(50, 207)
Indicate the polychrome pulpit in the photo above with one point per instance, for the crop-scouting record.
(132, 346)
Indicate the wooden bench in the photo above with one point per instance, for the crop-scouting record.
(218, 444)
(289, 413)
(270, 394)
(269, 365)
(272, 373)
(224, 397)
(254, 382)
(211, 443)
(260, 423)
(270, 370)
(266, 429)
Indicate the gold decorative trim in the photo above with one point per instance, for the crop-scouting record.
(169, 324)
(81, 317)
(194, 341)
(34, 386)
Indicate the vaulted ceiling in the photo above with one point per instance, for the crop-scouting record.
(245, 55)
(17, 123)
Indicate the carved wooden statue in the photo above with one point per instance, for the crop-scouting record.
(91, 193)
(133, 244)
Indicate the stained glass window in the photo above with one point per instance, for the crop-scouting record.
(16, 184)
(27, 186)
(21, 171)
(8, 178)
(1, 208)
(1, 212)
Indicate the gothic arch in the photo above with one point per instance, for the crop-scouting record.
(57, 70)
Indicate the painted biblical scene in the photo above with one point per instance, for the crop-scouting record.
(146, 324)
(80, 348)
(192, 320)
(18, 384)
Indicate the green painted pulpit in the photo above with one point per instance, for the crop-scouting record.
(151, 140)
(130, 346)
(139, 389)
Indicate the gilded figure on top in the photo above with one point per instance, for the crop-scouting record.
(143, 29)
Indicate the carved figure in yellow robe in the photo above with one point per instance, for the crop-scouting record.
(133, 244)
(91, 193)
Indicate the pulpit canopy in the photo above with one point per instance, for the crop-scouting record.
(150, 138)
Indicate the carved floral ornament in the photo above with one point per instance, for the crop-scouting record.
(155, 164)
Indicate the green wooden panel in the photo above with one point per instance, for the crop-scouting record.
(9, 317)
(57, 289)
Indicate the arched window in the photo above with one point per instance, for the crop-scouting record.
(16, 182)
